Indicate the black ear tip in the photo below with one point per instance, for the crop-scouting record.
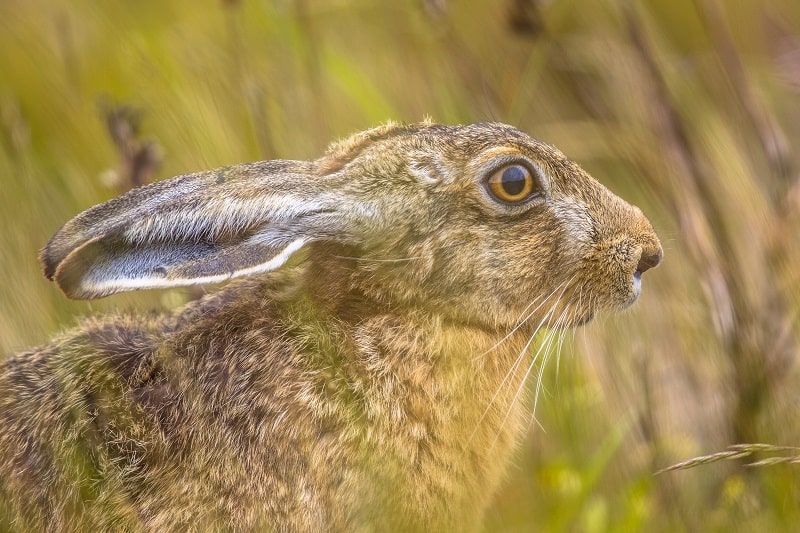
(54, 252)
(48, 262)
(69, 272)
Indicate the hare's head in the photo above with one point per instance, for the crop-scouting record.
(480, 224)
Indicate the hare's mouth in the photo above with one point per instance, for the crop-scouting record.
(626, 294)
(637, 284)
(636, 288)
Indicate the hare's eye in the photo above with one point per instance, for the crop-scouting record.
(513, 184)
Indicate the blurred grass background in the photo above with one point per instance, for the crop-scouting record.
(687, 108)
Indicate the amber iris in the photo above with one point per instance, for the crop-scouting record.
(513, 183)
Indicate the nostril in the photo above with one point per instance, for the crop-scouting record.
(650, 259)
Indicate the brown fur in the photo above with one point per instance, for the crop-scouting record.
(370, 384)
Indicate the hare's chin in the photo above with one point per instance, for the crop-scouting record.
(633, 293)
(582, 319)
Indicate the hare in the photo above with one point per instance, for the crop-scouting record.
(364, 372)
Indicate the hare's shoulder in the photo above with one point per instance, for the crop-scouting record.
(116, 344)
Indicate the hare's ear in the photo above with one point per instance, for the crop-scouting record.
(198, 228)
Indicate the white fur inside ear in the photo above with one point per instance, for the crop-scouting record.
(105, 286)
(217, 216)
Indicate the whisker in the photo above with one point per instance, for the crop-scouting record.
(506, 378)
(520, 388)
(521, 385)
(548, 344)
(524, 320)
(519, 357)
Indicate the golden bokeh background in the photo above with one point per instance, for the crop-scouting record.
(689, 109)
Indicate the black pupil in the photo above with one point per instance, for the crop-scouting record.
(513, 180)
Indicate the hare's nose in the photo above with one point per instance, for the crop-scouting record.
(650, 259)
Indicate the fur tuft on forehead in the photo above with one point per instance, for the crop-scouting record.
(341, 152)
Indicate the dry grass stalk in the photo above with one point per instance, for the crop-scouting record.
(738, 451)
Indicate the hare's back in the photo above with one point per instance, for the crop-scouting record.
(75, 415)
